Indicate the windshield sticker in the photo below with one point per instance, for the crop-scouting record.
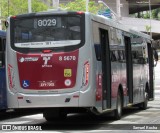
(67, 82)
(25, 83)
(67, 73)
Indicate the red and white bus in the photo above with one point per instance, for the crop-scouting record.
(63, 62)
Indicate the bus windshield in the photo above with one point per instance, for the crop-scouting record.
(47, 32)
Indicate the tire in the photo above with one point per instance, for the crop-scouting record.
(118, 111)
(55, 119)
(144, 105)
(51, 117)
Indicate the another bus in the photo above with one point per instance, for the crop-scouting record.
(3, 97)
(63, 62)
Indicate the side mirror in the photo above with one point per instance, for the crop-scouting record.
(6, 24)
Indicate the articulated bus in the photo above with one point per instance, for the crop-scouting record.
(3, 97)
(64, 62)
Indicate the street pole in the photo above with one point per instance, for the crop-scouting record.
(118, 4)
(8, 7)
(150, 14)
(55, 3)
(87, 1)
(1, 10)
(29, 6)
(0, 17)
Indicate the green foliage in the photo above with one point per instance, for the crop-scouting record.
(80, 5)
(148, 28)
(146, 15)
(14, 7)
(38, 6)
(158, 16)
(155, 14)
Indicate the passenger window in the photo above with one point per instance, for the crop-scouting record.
(98, 51)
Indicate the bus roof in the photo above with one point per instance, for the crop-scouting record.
(2, 33)
(118, 25)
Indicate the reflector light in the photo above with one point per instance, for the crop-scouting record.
(80, 12)
(14, 17)
(20, 97)
(76, 96)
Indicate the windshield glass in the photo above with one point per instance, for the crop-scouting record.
(50, 31)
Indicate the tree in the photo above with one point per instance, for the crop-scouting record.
(155, 14)
(80, 5)
(148, 28)
(14, 7)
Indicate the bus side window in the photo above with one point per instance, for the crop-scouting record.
(124, 55)
(116, 55)
(134, 57)
(98, 51)
(121, 56)
(113, 57)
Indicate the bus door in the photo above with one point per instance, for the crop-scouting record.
(129, 67)
(150, 61)
(106, 69)
(2, 75)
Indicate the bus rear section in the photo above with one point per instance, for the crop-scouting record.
(48, 63)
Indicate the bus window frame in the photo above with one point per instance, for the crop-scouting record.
(57, 49)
